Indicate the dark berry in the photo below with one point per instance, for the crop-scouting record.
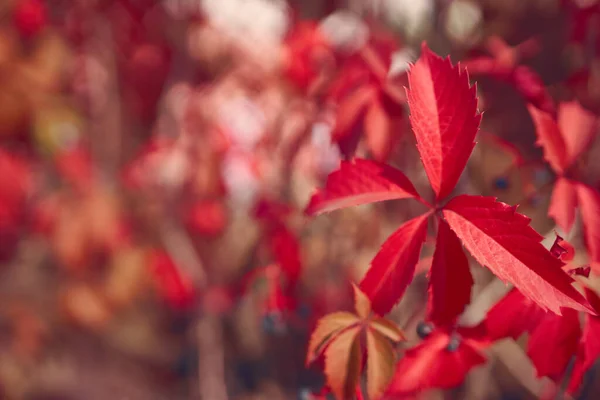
(424, 329)
(186, 363)
(453, 343)
(303, 311)
(501, 183)
(273, 323)
(534, 200)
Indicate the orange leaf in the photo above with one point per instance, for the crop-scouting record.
(387, 329)
(327, 329)
(362, 304)
(380, 364)
(343, 363)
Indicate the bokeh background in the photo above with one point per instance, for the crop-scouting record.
(156, 158)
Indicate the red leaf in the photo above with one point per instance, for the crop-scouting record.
(450, 279)
(443, 115)
(580, 271)
(431, 365)
(176, 287)
(589, 206)
(349, 117)
(589, 347)
(286, 250)
(550, 138)
(207, 218)
(577, 126)
(553, 343)
(531, 87)
(502, 240)
(272, 212)
(512, 316)
(564, 140)
(563, 204)
(393, 267)
(360, 182)
(378, 132)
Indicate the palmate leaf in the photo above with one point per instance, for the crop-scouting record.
(444, 117)
(502, 240)
(338, 337)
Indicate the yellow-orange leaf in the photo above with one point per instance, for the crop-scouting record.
(380, 363)
(362, 304)
(343, 363)
(327, 328)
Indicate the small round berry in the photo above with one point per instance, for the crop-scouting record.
(501, 183)
(453, 343)
(273, 323)
(424, 329)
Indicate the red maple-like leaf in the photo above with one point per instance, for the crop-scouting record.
(565, 138)
(512, 316)
(589, 206)
(589, 347)
(444, 117)
(393, 267)
(502, 240)
(563, 203)
(578, 127)
(286, 251)
(367, 100)
(503, 65)
(450, 279)
(553, 343)
(550, 139)
(440, 361)
(351, 113)
(359, 182)
(553, 340)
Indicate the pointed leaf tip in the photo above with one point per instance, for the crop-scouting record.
(359, 182)
(444, 118)
(503, 241)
